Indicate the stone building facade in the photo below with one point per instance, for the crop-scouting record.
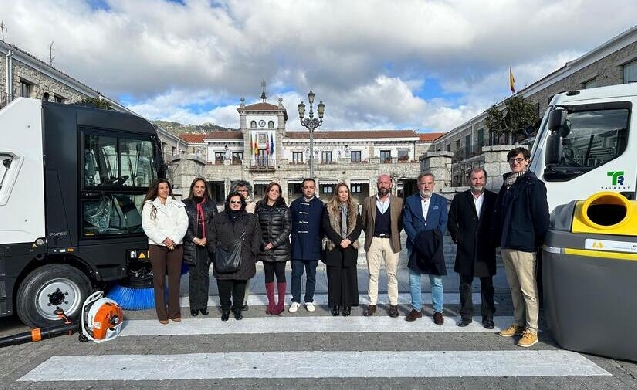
(614, 62)
(262, 151)
(23, 75)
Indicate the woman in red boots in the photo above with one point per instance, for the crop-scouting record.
(276, 224)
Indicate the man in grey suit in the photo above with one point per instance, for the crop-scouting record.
(382, 221)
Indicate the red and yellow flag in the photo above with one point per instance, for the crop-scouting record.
(511, 81)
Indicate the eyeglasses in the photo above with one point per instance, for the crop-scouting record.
(235, 201)
(516, 160)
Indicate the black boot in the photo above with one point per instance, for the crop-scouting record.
(335, 310)
(194, 312)
(225, 315)
(238, 315)
(204, 311)
(347, 310)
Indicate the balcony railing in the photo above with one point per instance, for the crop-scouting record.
(262, 164)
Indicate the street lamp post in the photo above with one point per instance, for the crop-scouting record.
(311, 123)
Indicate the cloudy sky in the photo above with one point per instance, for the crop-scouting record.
(377, 64)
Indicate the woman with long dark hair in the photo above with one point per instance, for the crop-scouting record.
(200, 210)
(342, 224)
(228, 226)
(164, 221)
(276, 224)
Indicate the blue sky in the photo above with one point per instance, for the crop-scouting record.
(410, 64)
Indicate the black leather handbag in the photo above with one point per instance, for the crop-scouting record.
(228, 260)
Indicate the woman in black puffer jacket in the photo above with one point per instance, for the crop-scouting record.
(276, 224)
(200, 210)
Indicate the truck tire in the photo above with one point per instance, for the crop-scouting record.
(49, 287)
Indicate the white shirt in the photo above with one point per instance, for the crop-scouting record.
(425, 206)
(477, 202)
(382, 206)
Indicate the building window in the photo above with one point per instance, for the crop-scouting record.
(592, 83)
(237, 157)
(327, 189)
(173, 151)
(630, 72)
(403, 155)
(448, 147)
(356, 156)
(467, 142)
(219, 157)
(26, 88)
(58, 99)
(253, 124)
(480, 137)
(356, 188)
(326, 157)
(385, 156)
(297, 157)
(271, 125)
(457, 145)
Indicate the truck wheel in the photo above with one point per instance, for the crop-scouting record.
(47, 288)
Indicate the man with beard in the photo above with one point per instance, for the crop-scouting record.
(470, 224)
(382, 221)
(425, 219)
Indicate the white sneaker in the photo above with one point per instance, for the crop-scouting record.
(294, 307)
(310, 307)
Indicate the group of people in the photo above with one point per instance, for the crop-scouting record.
(308, 231)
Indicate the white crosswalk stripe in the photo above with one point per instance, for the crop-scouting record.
(313, 324)
(359, 365)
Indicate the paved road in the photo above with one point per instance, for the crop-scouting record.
(311, 351)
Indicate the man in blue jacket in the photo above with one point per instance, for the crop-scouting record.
(425, 211)
(306, 213)
(521, 219)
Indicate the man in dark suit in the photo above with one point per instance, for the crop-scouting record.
(425, 211)
(470, 224)
(382, 218)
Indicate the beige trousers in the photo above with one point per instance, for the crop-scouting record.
(380, 250)
(520, 271)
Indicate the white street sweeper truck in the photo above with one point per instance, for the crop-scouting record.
(72, 182)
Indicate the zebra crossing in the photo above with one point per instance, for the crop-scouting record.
(246, 348)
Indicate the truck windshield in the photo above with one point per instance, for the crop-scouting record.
(590, 138)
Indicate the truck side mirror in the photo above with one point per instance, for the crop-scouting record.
(553, 146)
(557, 119)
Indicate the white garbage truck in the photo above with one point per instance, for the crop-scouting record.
(72, 182)
(585, 145)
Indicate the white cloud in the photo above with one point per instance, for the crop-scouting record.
(367, 59)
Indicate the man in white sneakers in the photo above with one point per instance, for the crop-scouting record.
(306, 235)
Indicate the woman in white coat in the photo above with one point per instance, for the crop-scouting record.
(165, 223)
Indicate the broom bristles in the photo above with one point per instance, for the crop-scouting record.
(130, 298)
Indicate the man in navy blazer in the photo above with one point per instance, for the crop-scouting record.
(424, 211)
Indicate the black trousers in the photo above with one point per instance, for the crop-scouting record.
(199, 280)
(342, 286)
(271, 268)
(487, 307)
(231, 288)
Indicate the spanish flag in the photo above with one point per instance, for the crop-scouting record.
(511, 81)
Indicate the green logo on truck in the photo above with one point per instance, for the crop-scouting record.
(617, 177)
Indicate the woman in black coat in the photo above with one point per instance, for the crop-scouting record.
(201, 211)
(234, 223)
(276, 223)
(341, 254)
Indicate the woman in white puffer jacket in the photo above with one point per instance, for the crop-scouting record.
(165, 222)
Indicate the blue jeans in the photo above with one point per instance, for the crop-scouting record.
(416, 292)
(297, 271)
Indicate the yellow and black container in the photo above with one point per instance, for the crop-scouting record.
(589, 274)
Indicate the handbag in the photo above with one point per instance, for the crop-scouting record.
(228, 260)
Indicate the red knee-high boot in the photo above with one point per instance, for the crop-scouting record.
(269, 290)
(281, 302)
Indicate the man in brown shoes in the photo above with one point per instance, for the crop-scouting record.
(382, 221)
